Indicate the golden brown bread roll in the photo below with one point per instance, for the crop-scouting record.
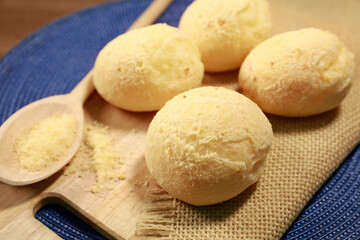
(298, 73)
(207, 145)
(226, 30)
(140, 70)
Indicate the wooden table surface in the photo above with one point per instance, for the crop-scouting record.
(19, 18)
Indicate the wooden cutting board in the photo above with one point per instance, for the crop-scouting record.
(115, 213)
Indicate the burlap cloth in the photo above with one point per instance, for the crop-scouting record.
(304, 153)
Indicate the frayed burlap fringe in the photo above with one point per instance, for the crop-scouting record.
(157, 216)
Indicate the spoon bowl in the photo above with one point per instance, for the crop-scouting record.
(72, 103)
(10, 170)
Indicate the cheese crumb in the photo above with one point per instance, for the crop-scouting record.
(105, 158)
(44, 143)
(97, 154)
(79, 163)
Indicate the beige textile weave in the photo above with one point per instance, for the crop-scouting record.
(304, 154)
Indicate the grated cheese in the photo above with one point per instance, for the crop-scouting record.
(105, 159)
(42, 144)
(97, 154)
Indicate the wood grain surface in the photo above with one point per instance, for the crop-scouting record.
(19, 18)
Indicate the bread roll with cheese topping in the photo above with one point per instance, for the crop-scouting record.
(207, 145)
(140, 70)
(298, 73)
(226, 30)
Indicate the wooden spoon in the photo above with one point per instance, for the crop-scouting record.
(72, 103)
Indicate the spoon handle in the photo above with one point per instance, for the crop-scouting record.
(85, 87)
(151, 13)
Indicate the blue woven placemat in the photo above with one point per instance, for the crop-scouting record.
(53, 59)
